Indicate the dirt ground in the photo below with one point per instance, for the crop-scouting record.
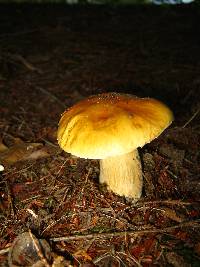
(50, 58)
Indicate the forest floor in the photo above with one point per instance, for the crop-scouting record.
(50, 58)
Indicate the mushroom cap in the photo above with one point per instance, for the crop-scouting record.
(111, 124)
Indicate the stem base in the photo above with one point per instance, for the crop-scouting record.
(123, 174)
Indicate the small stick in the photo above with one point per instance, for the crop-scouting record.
(52, 224)
(169, 202)
(121, 220)
(19, 171)
(27, 64)
(51, 96)
(131, 257)
(193, 116)
(61, 167)
(193, 223)
(10, 200)
(19, 33)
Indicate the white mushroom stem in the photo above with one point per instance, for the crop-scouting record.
(123, 174)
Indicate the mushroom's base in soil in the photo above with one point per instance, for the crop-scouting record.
(123, 174)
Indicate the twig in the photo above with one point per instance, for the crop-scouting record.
(37, 247)
(60, 169)
(164, 202)
(131, 257)
(49, 142)
(50, 95)
(10, 200)
(101, 257)
(18, 33)
(121, 220)
(30, 198)
(86, 181)
(52, 224)
(193, 223)
(19, 171)
(193, 116)
(27, 64)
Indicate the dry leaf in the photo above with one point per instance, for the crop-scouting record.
(41, 153)
(21, 151)
(24, 253)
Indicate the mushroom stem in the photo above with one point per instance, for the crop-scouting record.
(123, 174)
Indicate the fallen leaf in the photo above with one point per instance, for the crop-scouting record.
(41, 153)
(21, 151)
(24, 252)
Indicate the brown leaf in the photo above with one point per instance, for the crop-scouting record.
(24, 252)
(41, 153)
(20, 151)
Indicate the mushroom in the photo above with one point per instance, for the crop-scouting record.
(110, 127)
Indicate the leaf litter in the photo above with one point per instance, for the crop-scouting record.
(50, 201)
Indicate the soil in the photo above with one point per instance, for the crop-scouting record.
(52, 56)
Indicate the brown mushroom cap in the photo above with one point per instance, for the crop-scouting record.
(111, 124)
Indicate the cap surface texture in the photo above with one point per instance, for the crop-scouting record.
(111, 124)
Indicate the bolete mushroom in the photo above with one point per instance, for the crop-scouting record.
(110, 127)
